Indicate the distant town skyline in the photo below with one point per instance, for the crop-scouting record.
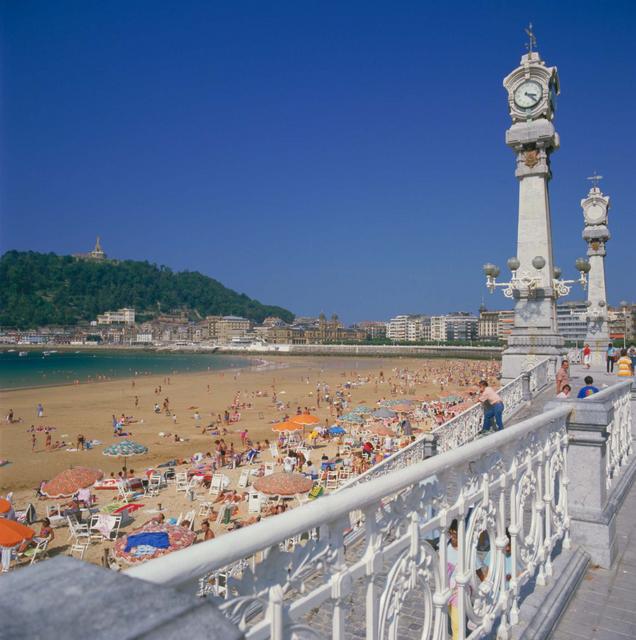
(344, 159)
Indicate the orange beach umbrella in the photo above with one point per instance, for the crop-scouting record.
(305, 419)
(5, 506)
(12, 533)
(287, 426)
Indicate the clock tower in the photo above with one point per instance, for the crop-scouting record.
(596, 234)
(532, 88)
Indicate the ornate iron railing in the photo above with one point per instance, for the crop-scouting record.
(505, 494)
(462, 428)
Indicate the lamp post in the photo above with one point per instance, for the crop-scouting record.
(527, 283)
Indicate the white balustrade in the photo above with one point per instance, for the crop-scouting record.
(461, 429)
(506, 494)
(619, 440)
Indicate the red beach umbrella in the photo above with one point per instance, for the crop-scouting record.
(283, 484)
(70, 481)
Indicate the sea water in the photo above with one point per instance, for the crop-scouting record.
(35, 369)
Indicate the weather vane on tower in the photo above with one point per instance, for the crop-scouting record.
(595, 179)
(532, 39)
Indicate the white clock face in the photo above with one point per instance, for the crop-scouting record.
(595, 213)
(528, 94)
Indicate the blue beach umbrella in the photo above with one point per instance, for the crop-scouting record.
(336, 430)
(125, 449)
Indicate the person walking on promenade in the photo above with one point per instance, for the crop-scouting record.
(493, 406)
(611, 357)
(631, 352)
(625, 364)
(563, 376)
(587, 356)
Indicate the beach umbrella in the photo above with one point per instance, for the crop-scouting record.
(284, 484)
(381, 430)
(125, 449)
(403, 407)
(12, 533)
(352, 417)
(305, 419)
(5, 506)
(362, 409)
(336, 430)
(384, 413)
(287, 426)
(70, 481)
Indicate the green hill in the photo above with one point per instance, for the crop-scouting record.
(38, 289)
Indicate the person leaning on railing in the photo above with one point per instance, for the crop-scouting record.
(493, 406)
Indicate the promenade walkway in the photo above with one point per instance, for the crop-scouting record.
(604, 605)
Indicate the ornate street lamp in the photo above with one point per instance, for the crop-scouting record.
(562, 287)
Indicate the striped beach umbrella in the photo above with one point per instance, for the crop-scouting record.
(284, 484)
(125, 449)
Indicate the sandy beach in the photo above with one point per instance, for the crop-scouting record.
(88, 409)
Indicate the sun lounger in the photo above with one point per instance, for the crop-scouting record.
(244, 479)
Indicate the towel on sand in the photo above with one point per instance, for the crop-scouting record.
(157, 539)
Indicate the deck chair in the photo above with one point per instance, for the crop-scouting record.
(38, 551)
(225, 514)
(125, 493)
(182, 483)
(244, 478)
(216, 484)
(155, 483)
(189, 516)
(273, 449)
(54, 514)
(96, 534)
(269, 468)
(331, 483)
(77, 550)
(205, 509)
(254, 503)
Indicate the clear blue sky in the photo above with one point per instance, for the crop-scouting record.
(339, 156)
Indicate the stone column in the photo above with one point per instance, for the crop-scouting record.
(596, 234)
(534, 335)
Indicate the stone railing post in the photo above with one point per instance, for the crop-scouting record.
(594, 493)
(526, 391)
(430, 445)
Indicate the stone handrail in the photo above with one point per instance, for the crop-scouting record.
(465, 426)
(514, 480)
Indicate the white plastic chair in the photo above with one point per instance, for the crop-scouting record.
(244, 478)
(182, 483)
(155, 482)
(273, 449)
(205, 509)
(269, 468)
(254, 503)
(125, 492)
(39, 550)
(216, 485)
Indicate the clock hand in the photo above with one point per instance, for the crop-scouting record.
(531, 95)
